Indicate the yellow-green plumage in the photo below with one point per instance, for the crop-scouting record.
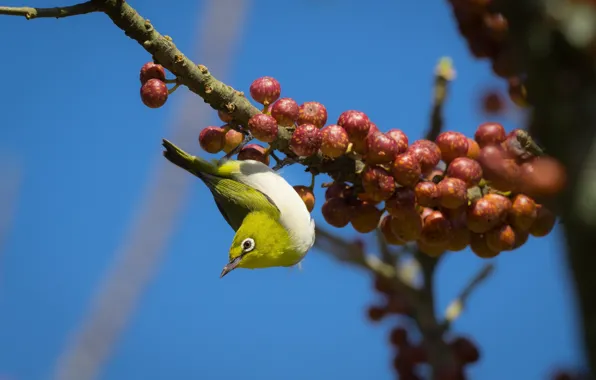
(273, 226)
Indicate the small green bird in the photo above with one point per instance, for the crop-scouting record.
(273, 226)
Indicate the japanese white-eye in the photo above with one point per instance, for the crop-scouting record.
(273, 226)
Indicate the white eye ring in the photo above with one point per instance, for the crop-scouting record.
(248, 245)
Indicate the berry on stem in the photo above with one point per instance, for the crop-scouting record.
(378, 183)
(544, 223)
(452, 145)
(233, 138)
(480, 248)
(466, 169)
(406, 169)
(336, 212)
(212, 139)
(388, 234)
(335, 141)
(306, 140)
(427, 153)
(523, 212)
(152, 70)
(407, 226)
(356, 124)
(254, 152)
(427, 194)
(265, 90)
(400, 138)
(365, 217)
(489, 134)
(501, 238)
(338, 190)
(453, 193)
(285, 111)
(154, 93)
(436, 229)
(403, 200)
(307, 196)
(380, 148)
(312, 113)
(263, 127)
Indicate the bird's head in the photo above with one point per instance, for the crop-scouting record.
(260, 242)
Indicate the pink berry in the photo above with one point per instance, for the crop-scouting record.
(400, 137)
(335, 141)
(312, 113)
(306, 140)
(154, 93)
(427, 153)
(151, 70)
(380, 148)
(285, 111)
(356, 123)
(265, 90)
(212, 139)
(263, 127)
(254, 152)
(452, 145)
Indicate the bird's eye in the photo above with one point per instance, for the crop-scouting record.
(248, 245)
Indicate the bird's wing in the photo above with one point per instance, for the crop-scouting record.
(235, 199)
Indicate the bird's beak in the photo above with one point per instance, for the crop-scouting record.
(230, 266)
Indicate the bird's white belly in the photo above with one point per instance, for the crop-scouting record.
(294, 214)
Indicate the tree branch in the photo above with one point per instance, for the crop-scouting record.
(57, 12)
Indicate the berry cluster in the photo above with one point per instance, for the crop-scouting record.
(484, 198)
(486, 32)
(410, 354)
(154, 92)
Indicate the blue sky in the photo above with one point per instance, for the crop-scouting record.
(87, 148)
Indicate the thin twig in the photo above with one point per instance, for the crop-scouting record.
(457, 306)
(57, 12)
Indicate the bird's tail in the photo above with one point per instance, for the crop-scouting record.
(186, 161)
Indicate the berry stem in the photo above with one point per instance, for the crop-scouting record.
(313, 176)
(170, 81)
(174, 88)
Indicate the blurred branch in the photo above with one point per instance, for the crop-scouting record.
(56, 12)
(557, 54)
(456, 307)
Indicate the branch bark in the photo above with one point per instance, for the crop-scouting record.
(57, 12)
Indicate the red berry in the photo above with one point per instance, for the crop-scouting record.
(473, 149)
(436, 229)
(493, 102)
(403, 200)
(521, 237)
(154, 93)
(489, 134)
(151, 70)
(465, 350)
(400, 138)
(427, 194)
(378, 183)
(465, 169)
(380, 148)
(365, 217)
(307, 196)
(544, 223)
(484, 214)
(406, 169)
(265, 90)
(356, 123)
(312, 113)
(399, 337)
(501, 238)
(460, 238)
(335, 141)
(232, 139)
(480, 248)
(336, 212)
(387, 232)
(212, 139)
(306, 140)
(427, 153)
(338, 190)
(523, 212)
(452, 145)
(502, 172)
(285, 111)
(453, 193)
(543, 177)
(431, 250)
(407, 226)
(254, 152)
(224, 116)
(263, 127)
(376, 313)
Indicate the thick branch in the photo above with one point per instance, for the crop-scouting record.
(57, 12)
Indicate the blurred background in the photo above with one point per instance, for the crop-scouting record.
(110, 256)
